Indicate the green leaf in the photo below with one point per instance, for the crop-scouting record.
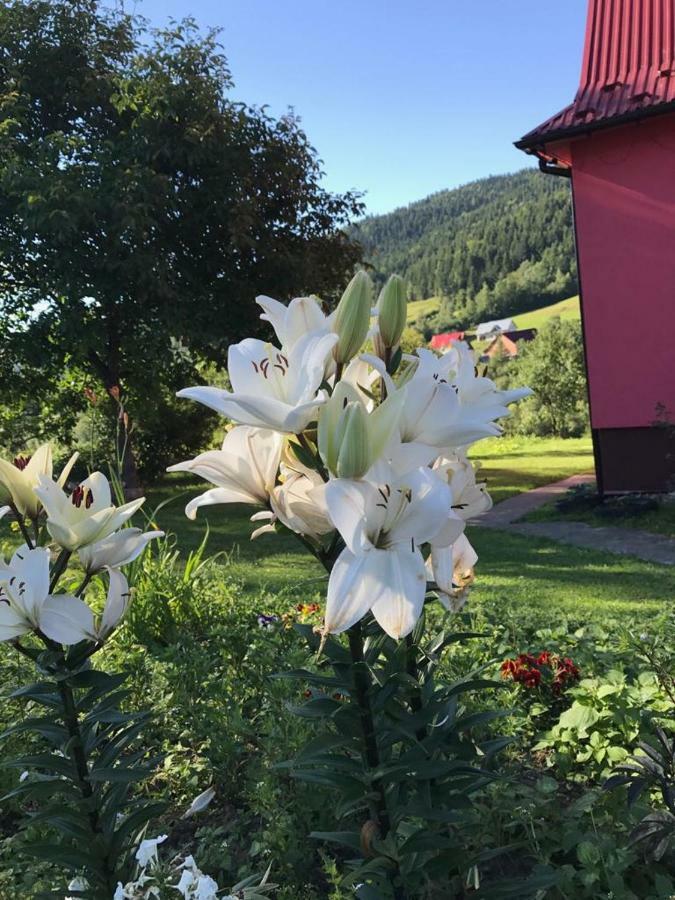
(121, 774)
(347, 838)
(318, 708)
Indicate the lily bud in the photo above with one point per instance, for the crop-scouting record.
(352, 317)
(353, 457)
(392, 308)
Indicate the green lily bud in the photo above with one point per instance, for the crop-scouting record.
(392, 310)
(353, 456)
(352, 318)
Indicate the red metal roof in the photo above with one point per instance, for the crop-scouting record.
(438, 341)
(628, 69)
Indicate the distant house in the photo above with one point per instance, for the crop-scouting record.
(443, 341)
(489, 329)
(507, 343)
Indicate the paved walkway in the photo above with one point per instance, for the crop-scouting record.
(625, 541)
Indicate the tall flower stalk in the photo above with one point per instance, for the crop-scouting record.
(364, 457)
(80, 786)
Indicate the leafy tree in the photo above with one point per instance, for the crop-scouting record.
(553, 366)
(140, 205)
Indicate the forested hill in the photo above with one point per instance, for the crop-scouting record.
(496, 246)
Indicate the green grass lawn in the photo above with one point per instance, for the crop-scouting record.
(512, 465)
(539, 580)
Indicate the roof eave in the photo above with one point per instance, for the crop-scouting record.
(536, 142)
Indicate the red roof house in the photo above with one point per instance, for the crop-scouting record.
(507, 343)
(443, 341)
(616, 141)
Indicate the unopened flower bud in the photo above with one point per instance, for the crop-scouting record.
(392, 310)
(353, 317)
(353, 457)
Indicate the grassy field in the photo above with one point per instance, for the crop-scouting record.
(565, 309)
(421, 308)
(513, 465)
(520, 576)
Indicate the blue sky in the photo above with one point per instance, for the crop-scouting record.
(400, 98)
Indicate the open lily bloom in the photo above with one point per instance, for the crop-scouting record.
(87, 515)
(117, 549)
(26, 604)
(272, 388)
(478, 393)
(244, 469)
(451, 567)
(299, 501)
(21, 477)
(434, 417)
(290, 323)
(469, 497)
(383, 523)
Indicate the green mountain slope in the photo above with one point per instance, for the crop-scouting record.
(497, 246)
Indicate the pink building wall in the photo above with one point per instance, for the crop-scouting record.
(624, 200)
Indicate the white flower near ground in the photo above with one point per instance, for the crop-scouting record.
(21, 477)
(147, 850)
(199, 804)
(271, 387)
(116, 550)
(243, 470)
(86, 516)
(383, 524)
(26, 604)
(77, 884)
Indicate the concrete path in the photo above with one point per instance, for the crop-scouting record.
(624, 541)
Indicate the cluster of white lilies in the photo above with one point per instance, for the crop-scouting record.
(83, 520)
(358, 449)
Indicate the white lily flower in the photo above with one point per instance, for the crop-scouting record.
(381, 569)
(302, 316)
(116, 604)
(300, 500)
(206, 889)
(77, 884)
(272, 388)
(21, 478)
(147, 850)
(87, 515)
(433, 414)
(116, 550)
(477, 393)
(244, 470)
(469, 497)
(26, 604)
(452, 568)
(198, 805)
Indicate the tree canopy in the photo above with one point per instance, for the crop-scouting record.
(141, 209)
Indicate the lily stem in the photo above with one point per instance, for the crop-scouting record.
(79, 759)
(59, 568)
(22, 527)
(361, 690)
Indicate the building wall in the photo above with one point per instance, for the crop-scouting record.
(624, 198)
